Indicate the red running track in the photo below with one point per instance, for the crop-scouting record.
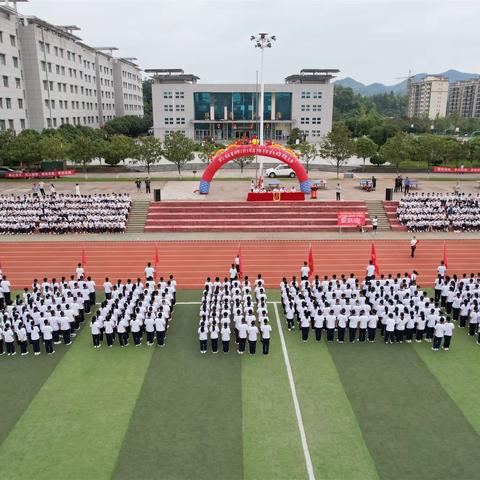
(192, 261)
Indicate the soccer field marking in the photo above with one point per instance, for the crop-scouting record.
(298, 413)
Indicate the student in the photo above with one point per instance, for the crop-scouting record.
(421, 323)
(370, 270)
(372, 326)
(135, 327)
(79, 271)
(413, 246)
(47, 333)
(409, 327)
(95, 329)
(375, 223)
(252, 338)
(447, 333)
(318, 325)
(35, 338)
(225, 334)
(242, 337)
(389, 329)
(22, 339)
(266, 330)
(149, 325)
(233, 272)
(122, 332)
(2, 352)
(342, 325)
(5, 287)
(109, 333)
(214, 331)
(439, 333)
(473, 321)
(160, 327)
(107, 288)
(305, 326)
(362, 326)
(65, 328)
(149, 271)
(330, 321)
(9, 337)
(438, 289)
(442, 269)
(352, 328)
(203, 337)
(338, 192)
(305, 271)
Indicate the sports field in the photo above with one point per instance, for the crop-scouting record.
(367, 410)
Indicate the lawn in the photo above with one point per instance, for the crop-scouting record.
(368, 410)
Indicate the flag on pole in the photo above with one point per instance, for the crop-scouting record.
(374, 259)
(84, 258)
(311, 264)
(239, 265)
(156, 261)
(445, 259)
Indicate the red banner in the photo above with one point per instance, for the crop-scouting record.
(456, 170)
(348, 219)
(54, 173)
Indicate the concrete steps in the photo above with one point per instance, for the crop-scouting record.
(138, 216)
(391, 212)
(376, 208)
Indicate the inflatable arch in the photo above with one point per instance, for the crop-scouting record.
(278, 152)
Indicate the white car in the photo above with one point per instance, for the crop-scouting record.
(281, 170)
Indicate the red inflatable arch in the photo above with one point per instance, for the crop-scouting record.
(236, 151)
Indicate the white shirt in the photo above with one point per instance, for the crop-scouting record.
(439, 330)
(448, 329)
(149, 272)
(370, 270)
(252, 333)
(305, 271)
(266, 330)
(441, 270)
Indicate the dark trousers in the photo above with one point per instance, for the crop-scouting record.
(463, 321)
(443, 302)
(56, 336)
(92, 298)
(10, 347)
(330, 334)
(305, 333)
(96, 339)
(23, 347)
(437, 341)
(371, 334)
(226, 346)
(362, 334)
(214, 345)
(438, 294)
(352, 332)
(36, 346)
(409, 334)
(150, 337)
(337, 195)
(86, 306)
(419, 334)
(341, 334)
(290, 323)
(161, 338)
(429, 332)
(108, 296)
(318, 334)
(252, 347)
(446, 341)
(137, 337)
(456, 314)
(449, 307)
(412, 251)
(399, 335)
(8, 298)
(110, 337)
(389, 336)
(203, 345)
(472, 327)
(121, 338)
(49, 346)
(1, 347)
(66, 336)
(265, 345)
(241, 344)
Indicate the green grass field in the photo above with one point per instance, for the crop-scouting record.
(369, 410)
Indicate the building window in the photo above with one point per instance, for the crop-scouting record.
(13, 41)
(305, 94)
(20, 103)
(179, 95)
(22, 124)
(180, 121)
(316, 108)
(168, 121)
(179, 108)
(8, 103)
(317, 95)
(15, 62)
(305, 121)
(5, 81)
(2, 59)
(167, 95)
(168, 108)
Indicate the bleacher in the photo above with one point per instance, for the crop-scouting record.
(249, 216)
(391, 211)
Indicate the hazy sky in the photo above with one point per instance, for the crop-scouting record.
(369, 40)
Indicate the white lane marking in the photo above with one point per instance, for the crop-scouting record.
(298, 413)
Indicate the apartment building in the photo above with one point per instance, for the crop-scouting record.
(50, 77)
(428, 97)
(464, 98)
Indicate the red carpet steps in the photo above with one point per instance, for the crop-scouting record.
(247, 216)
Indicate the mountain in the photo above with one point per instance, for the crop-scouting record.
(401, 87)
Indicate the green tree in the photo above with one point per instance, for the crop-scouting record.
(473, 146)
(365, 148)
(147, 96)
(295, 134)
(381, 133)
(26, 149)
(395, 150)
(53, 147)
(178, 149)
(7, 139)
(337, 147)
(207, 149)
(149, 152)
(83, 150)
(308, 152)
(128, 125)
(242, 162)
(118, 149)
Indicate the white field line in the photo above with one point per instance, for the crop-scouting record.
(298, 413)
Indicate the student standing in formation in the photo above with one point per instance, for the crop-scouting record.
(389, 329)
(107, 287)
(95, 329)
(439, 333)
(252, 338)
(214, 331)
(242, 337)
(225, 333)
(237, 263)
(305, 271)
(149, 271)
(35, 338)
(203, 337)
(233, 272)
(48, 337)
(9, 337)
(160, 327)
(305, 326)
(266, 331)
(447, 333)
(413, 246)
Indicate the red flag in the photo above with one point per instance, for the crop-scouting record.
(374, 259)
(156, 261)
(445, 259)
(240, 261)
(84, 258)
(311, 264)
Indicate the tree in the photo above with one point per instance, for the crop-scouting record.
(83, 150)
(118, 149)
(337, 147)
(365, 148)
(149, 152)
(7, 138)
(178, 149)
(128, 125)
(242, 162)
(25, 150)
(295, 134)
(395, 150)
(53, 146)
(428, 149)
(147, 96)
(207, 149)
(308, 152)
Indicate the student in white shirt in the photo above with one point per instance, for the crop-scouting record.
(80, 271)
(109, 333)
(448, 328)
(225, 333)
(318, 320)
(242, 337)
(233, 272)
(65, 328)
(203, 337)
(370, 270)
(47, 337)
(9, 337)
(362, 326)
(305, 325)
(95, 329)
(305, 271)
(352, 327)
(149, 271)
(413, 246)
(22, 339)
(266, 331)
(389, 329)
(330, 321)
(372, 326)
(214, 331)
(5, 287)
(35, 338)
(252, 338)
(439, 333)
(442, 269)
(160, 328)
(107, 288)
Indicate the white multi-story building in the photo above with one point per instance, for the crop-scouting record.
(428, 97)
(227, 112)
(52, 78)
(13, 108)
(464, 98)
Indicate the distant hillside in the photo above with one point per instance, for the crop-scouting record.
(401, 88)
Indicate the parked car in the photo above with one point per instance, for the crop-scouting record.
(4, 170)
(281, 170)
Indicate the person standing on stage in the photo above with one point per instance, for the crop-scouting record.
(413, 246)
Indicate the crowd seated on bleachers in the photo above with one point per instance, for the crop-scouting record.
(64, 213)
(440, 211)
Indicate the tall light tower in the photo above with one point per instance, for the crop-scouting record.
(262, 41)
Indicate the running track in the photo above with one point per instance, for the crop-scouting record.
(192, 261)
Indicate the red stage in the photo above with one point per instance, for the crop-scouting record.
(276, 196)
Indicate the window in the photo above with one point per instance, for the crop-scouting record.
(20, 103)
(13, 41)
(180, 121)
(305, 94)
(317, 95)
(305, 121)
(168, 108)
(168, 121)
(316, 108)
(179, 108)
(2, 59)
(305, 108)
(8, 103)
(2, 125)
(167, 95)
(1, 37)
(179, 95)
(316, 120)
(18, 83)
(15, 62)
(5, 81)
(11, 126)
(22, 124)
(1, 102)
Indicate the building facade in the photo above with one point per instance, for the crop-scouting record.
(52, 78)
(226, 112)
(428, 97)
(464, 99)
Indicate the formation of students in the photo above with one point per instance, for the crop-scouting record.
(395, 305)
(64, 213)
(460, 297)
(440, 211)
(50, 312)
(134, 310)
(234, 303)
